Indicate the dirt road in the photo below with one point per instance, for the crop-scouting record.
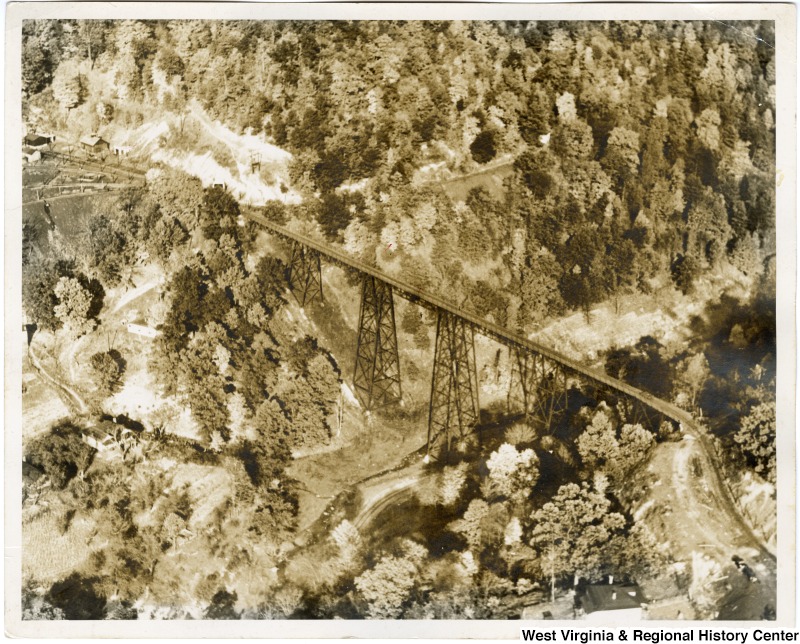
(388, 489)
(75, 403)
(685, 505)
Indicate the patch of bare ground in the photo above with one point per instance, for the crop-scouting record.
(41, 409)
(664, 314)
(490, 179)
(676, 500)
(200, 146)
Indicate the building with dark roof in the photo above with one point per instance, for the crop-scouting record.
(613, 602)
(37, 140)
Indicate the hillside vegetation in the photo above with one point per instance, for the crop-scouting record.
(642, 151)
(522, 170)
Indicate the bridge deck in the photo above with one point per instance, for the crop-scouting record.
(484, 327)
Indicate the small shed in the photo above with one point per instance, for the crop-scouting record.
(30, 154)
(38, 140)
(94, 144)
(613, 602)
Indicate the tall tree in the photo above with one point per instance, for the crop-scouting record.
(756, 438)
(572, 532)
(387, 586)
(74, 306)
(691, 374)
(512, 474)
(39, 299)
(69, 85)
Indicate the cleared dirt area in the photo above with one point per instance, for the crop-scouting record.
(203, 147)
(490, 179)
(665, 314)
(677, 498)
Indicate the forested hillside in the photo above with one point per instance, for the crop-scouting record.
(641, 151)
(530, 172)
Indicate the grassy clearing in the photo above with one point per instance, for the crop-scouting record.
(491, 180)
(33, 175)
(71, 214)
(50, 554)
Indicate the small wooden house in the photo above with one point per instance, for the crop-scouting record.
(98, 438)
(94, 144)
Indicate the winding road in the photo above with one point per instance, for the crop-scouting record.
(684, 505)
(70, 396)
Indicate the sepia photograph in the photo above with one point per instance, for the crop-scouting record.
(324, 315)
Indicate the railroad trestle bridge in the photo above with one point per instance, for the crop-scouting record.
(541, 378)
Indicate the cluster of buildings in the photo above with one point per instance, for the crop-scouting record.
(93, 145)
(34, 144)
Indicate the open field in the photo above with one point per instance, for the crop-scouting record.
(51, 553)
(38, 174)
(42, 408)
(490, 180)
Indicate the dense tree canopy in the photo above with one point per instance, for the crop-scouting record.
(575, 530)
(522, 168)
(756, 437)
(640, 150)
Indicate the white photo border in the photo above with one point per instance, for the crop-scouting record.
(784, 16)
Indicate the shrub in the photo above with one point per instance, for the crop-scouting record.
(61, 454)
(483, 147)
(77, 597)
(107, 367)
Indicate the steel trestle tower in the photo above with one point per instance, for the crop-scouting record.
(305, 273)
(453, 411)
(377, 372)
(538, 386)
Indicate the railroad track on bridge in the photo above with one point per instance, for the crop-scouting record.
(370, 333)
(484, 327)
